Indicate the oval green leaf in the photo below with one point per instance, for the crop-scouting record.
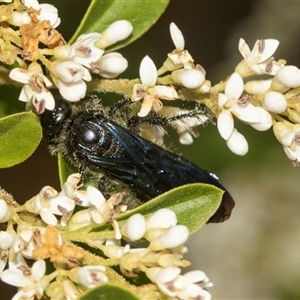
(193, 204)
(109, 292)
(100, 14)
(20, 134)
(65, 168)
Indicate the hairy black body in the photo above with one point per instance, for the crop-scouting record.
(92, 140)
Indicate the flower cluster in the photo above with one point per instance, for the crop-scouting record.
(162, 259)
(261, 103)
(68, 67)
(265, 103)
(26, 246)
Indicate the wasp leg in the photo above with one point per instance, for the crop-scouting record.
(119, 105)
(201, 112)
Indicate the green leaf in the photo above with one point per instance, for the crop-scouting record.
(20, 134)
(109, 292)
(100, 14)
(193, 204)
(65, 168)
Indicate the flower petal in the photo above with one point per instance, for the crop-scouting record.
(177, 36)
(237, 143)
(225, 124)
(20, 75)
(269, 48)
(244, 48)
(96, 197)
(234, 87)
(265, 120)
(38, 269)
(165, 92)
(148, 71)
(247, 113)
(72, 91)
(146, 106)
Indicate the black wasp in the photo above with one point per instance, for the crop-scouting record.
(92, 140)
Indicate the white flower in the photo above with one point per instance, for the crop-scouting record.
(275, 102)
(230, 104)
(185, 287)
(179, 57)
(48, 204)
(117, 31)
(197, 281)
(32, 281)
(100, 212)
(70, 77)
(83, 51)
(111, 65)
(47, 12)
(34, 89)
(149, 91)
(89, 276)
(167, 279)
(70, 186)
(27, 239)
(289, 136)
(259, 60)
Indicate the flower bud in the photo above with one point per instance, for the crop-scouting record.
(185, 138)
(174, 237)
(189, 78)
(6, 240)
(162, 218)
(89, 276)
(112, 64)
(4, 211)
(114, 33)
(275, 102)
(294, 115)
(135, 227)
(287, 77)
(256, 87)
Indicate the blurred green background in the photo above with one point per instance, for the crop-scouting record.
(256, 254)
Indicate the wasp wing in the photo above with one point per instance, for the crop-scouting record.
(152, 170)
